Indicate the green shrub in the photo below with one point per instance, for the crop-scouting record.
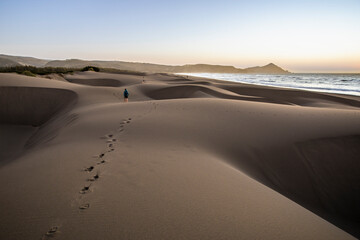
(61, 70)
(28, 73)
(90, 68)
(39, 71)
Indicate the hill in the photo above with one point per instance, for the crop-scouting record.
(4, 62)
(270, 68)
(142, 67)
(36, 62)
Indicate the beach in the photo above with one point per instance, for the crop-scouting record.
(185, 158)
(345, 84)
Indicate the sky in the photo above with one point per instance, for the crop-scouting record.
(299, 36)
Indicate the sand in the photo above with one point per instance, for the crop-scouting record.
(185, 158)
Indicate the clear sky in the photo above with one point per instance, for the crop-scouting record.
(300, 36)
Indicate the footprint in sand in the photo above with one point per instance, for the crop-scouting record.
(89, 169)
(85, 189)
(101, 155)
(101, 162)
(52, 231)
(110, 145)
(107, 136)
(94, 178)
(84, 206)
(121, 127)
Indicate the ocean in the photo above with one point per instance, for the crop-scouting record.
(331, 83)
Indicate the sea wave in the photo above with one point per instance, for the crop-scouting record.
(348, 84)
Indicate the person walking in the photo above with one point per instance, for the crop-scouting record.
(126, 95)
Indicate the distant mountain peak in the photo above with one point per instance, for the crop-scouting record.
(270, 68)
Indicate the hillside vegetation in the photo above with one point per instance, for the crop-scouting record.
(33, 71)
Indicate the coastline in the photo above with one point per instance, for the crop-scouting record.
(257, 79)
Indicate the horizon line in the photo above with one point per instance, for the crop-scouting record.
(199, 63)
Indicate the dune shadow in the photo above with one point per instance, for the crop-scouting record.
(188, 91)
(96, 82)
(32, 105)
(322, 175)
(24, 114)
(332, 165)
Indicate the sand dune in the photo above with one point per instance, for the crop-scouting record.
(186, 158)
(32, 105)
(24, 109)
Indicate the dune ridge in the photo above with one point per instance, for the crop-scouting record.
(186, 158)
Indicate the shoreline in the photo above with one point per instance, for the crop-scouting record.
(313, 89)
